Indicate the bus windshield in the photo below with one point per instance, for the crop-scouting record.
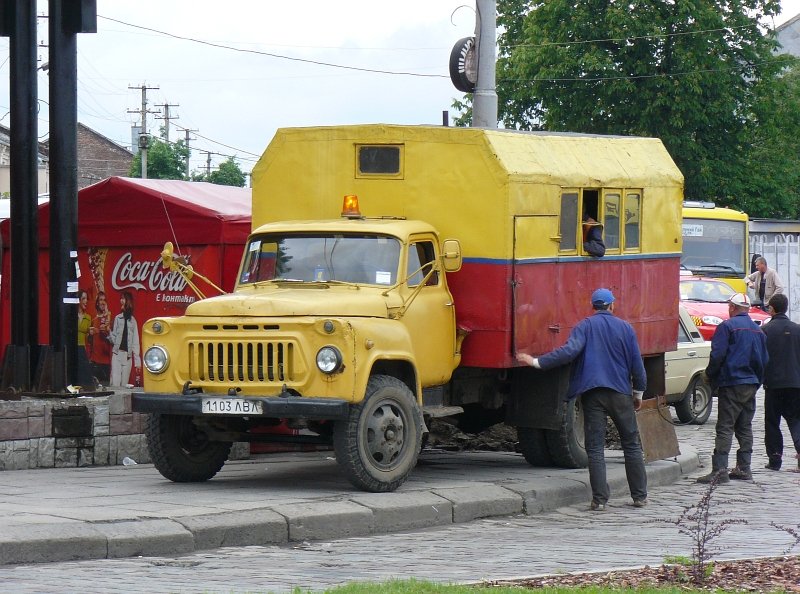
(365, 259)
(714, 247)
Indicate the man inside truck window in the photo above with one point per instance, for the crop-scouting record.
(606, 363)
(593, 237)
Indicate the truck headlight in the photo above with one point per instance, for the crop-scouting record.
(329, 360)
(156, 359)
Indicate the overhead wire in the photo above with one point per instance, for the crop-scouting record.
(275, 55)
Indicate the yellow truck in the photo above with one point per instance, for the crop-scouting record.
(392, 274)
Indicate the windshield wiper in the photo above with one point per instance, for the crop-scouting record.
(718, 267)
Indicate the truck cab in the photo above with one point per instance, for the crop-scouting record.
(325, 315)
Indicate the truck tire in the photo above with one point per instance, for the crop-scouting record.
(695, 408)
(180, 451)
(378, 445)
(533, 445)
(566, 444)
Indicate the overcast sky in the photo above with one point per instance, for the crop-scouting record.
(235, 100)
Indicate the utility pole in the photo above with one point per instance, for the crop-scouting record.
(208, 162)
(188, 156)
(143, 134)
(484, 107)
(166, 117)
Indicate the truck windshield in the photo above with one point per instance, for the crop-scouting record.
(714, 247)
(364, 259)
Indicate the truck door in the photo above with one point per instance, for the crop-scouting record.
(430, 318)
(537, 284)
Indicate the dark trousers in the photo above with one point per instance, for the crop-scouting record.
(598, 405)
(781, 402)
(736, 406)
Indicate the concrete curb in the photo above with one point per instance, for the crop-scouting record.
(350, 514)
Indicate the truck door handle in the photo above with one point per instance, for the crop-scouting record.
(692, 353)
(554, 328)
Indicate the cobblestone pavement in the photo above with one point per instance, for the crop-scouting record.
(569, 539)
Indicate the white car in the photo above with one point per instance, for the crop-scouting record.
(685, 388)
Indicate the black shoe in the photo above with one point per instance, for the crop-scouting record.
(773, 466)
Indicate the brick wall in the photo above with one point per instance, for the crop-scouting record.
(99, 157)
(36, 433)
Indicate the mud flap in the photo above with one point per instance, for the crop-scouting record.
(656, 430)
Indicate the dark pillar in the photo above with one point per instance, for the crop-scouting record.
(66, 19)
(18, 21)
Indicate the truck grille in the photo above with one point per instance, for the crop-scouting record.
(257, 361)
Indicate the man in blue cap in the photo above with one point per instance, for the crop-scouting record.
(609, 376)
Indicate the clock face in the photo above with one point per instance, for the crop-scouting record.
(464, 65)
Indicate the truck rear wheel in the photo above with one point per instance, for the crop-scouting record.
(181, 452)
(378, 445)
(533, 445)
(567, 443)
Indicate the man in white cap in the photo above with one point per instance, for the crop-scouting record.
(609, 376)
(736, 370)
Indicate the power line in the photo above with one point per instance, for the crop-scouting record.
(273, 55)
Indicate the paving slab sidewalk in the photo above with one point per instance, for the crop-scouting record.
(50, 515)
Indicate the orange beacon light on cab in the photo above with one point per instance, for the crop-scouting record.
(350, 207)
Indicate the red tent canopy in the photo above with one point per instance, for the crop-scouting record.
(121, 211)
(123, 224)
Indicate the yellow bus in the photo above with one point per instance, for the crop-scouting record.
(715, 242)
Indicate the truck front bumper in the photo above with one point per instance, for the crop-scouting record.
(279, 407)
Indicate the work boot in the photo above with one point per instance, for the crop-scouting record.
(719, 470)
(721, 477)
(741, 473)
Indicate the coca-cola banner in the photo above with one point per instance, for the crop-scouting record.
(126, 287)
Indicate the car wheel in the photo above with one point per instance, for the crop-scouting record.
(695, 407)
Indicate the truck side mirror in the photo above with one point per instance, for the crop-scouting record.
(451, 255)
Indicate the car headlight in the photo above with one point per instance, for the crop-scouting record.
(329, 360)
(712, 320)
(156, 359)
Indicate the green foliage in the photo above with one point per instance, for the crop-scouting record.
(227, 174)
(165, 160)
(701, 76)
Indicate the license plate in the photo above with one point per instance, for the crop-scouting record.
(231, 406)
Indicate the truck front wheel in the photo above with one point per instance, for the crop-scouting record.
(180, 451)
(378, 445)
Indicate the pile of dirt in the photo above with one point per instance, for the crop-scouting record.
(445, 435)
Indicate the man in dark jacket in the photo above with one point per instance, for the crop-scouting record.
(605, 361)
(736, 369)
(781, 381)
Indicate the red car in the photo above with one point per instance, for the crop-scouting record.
(706, 300)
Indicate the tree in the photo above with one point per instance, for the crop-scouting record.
(165, 160)
(227, 174)
(700, 75)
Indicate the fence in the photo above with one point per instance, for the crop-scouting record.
(781, 248)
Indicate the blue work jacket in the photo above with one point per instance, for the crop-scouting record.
(606, 355)
(738, 353)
